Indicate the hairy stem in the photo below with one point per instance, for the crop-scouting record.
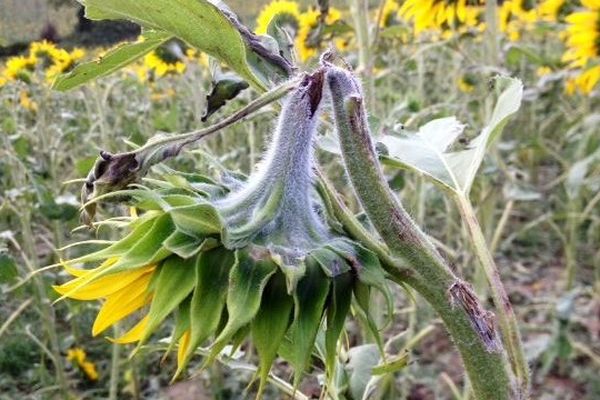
(470, 326)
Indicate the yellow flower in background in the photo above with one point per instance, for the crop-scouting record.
(549, 10)
(89, 369)
(543, 71)
(389, 13)
(286, 13)
(161, 66)
(26, 102)
(584, 82)
(197, 56)
(19, 65)
(123, 292)
(63, 62)
(78, 357)
(441, 14)
(465, 86)
(582, 38)
(307, 42)
(582, 34)
(516, 16)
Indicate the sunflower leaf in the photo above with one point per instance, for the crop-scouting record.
(197, 22)
(198, 220)
(148, 249)
(182, 244)
(427, 150)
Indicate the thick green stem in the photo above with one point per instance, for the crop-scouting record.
(470, 326)
(506, 315)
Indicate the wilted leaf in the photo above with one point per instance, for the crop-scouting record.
(362, 359)
(578, 172)
(225, 86)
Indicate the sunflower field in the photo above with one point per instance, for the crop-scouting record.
(342, 200)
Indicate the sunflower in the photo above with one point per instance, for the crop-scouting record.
(583, 46)
(20, 67)
(441, 14)
(63, 61)
(516, 16)
(282, 12)
(161, 64)
(389, 14)
(310, 34)
(550, 10)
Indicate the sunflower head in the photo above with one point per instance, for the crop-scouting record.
(315, 29)
(283, 13)
(232, 258)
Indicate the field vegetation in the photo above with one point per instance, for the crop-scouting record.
(231, 262)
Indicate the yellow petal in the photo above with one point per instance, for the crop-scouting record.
(184, 343)
(134, 334)
(123, 303)
(93, 289)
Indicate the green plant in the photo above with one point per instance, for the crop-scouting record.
(267, 227)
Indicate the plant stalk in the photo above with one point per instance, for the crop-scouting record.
(469, 325)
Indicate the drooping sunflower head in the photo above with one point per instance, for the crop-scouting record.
(232, 258)
(283, 13)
